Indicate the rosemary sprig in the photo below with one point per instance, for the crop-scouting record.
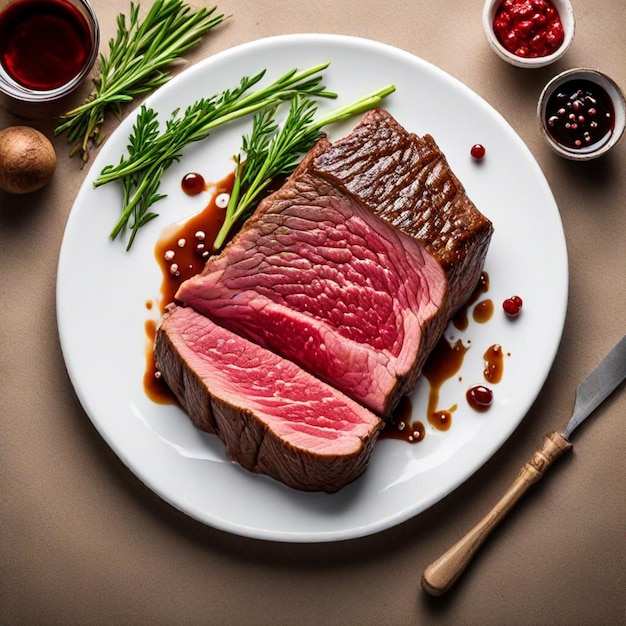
(145, 131)
(137, 63)
(271, 151)
(141, 170)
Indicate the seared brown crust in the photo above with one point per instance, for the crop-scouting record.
(250, 440)
(407, 181)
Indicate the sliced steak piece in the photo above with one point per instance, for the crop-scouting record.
(353, 268)
(406, 180)
(273, 417)
(316, 277)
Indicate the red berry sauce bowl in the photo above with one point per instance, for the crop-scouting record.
(582, 114)
(529, 33)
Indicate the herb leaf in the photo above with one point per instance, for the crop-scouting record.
(272, 151)
(141, 170)
(138, 58)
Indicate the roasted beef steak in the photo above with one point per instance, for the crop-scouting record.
(273, 417)
(347, 274)
(345, 270)
(319, 279)
(406, 180)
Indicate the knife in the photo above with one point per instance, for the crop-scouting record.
(440, 575)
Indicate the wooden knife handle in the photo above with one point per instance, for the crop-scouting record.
(440, 575)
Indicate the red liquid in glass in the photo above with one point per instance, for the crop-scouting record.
(43, 43)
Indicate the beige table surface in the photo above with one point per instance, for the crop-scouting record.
(82, 540)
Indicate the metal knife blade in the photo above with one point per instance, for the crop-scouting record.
(598, 386)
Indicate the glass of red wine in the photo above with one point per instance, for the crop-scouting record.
(47, 47)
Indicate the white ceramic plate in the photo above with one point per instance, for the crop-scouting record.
(102, 293)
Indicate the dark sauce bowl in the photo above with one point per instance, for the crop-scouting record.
(582, 114)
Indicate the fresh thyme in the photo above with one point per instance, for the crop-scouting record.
(271, 152)
(151, 152)
(137, 63)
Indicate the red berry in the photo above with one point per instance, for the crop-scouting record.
(500, 25)
(478, 151)
(520, 21)
(512, 306)
(523, 30)
(511, 40)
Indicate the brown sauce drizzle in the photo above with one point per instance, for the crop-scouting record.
(183, 248)
(480, 397)
(442, 364)
(441, 420)
(483, 311)
(494, 364)
(181, 252)
(153, 384)
(461, 319)
(401, 427)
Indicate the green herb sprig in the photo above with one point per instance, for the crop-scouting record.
(272, 151)
(141, 170)
(137, 63)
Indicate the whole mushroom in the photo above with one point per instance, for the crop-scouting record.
(27, 159)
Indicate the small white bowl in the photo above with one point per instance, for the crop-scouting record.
(619, 113)
(566, 15)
